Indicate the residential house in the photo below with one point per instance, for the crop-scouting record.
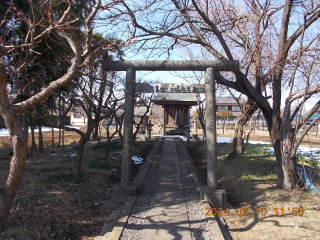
(229, 104)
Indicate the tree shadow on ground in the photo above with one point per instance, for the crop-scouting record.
(250, 183)
(53, 204)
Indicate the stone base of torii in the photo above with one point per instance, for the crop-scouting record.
(122, 191)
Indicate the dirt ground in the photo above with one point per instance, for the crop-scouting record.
(257, 209)
(51, 203)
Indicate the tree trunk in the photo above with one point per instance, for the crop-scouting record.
(289, 163)
(17, 165)
(248, 137)
(59, 139)
(120, 132)
(109, 136)
(40, 137)
(52, 132)
(237, 145)
(107, 146)
(83, 140)
(161, 127)
(20, 147)
(79, 156)
(59, 119)
(289, 167)
(274, 127)
(52, 138)
(25, 125)
(224, 125)
(203, 128)
(33, 141)
(25, 128)
(95, 131)
(138, 128)
(62, 139)
(277, 152)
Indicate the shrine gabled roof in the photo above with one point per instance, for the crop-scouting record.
(175, 98)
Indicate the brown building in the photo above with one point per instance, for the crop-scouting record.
(176, 111)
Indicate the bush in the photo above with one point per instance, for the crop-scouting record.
(247, 177)
(99, 165)
(64, 177)
(224, 114)
(115, 145)
(97, 145)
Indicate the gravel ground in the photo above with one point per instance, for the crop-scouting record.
(197, 221)
(198, 224)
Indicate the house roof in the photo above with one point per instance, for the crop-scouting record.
(227, 100)
(176, 98)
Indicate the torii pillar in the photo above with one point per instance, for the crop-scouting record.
(122, 191)
(217, 197)
(211, 133)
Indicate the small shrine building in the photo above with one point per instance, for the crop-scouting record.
(176, 110)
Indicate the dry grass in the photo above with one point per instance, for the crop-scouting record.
(52, 204)
(250, 183)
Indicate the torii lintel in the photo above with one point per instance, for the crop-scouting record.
(188, 65)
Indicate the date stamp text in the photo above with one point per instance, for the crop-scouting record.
(258, 212)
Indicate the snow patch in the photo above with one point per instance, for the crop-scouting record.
(137, 160)
(223, 140)
(5, 132)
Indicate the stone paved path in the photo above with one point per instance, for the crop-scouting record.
(167, 218)
(168, 206)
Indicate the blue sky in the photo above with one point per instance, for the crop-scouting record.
(162, 76)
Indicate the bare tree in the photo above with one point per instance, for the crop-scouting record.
(98, 104)
(112, 122)
(41, 20)
(264, 35)
(145, 101)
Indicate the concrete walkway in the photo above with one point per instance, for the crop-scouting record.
(167, 216)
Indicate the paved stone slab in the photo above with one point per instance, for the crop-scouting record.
(167, 217)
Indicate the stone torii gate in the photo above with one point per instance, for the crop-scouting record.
(126, 188)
